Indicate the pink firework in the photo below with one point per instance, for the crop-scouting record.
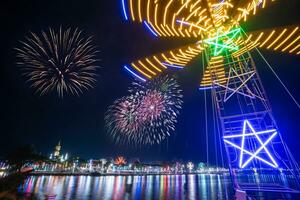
(122, 119)
(126, 117)
(151, 106)
(148, 115)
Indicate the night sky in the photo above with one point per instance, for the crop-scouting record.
(27, 118)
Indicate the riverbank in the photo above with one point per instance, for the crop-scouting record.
(43, 173)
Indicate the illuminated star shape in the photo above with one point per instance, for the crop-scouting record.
(229, 92)
(223, 41)
(261, 147)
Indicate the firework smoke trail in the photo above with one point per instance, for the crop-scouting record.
(154, 108)
(62, 61)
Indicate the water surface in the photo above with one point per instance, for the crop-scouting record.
(162, 187)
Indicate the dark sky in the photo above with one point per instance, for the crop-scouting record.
(27, 118)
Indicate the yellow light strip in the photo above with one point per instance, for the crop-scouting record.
(248, 39)
(291, 51)
(131, 10)
(193, 25)
(269, 37)
(202, 12)
(258, 38)
(139, 9)
(182, 7)
(166, 11)
(291, 44)
(155, 21)
(155, 58)
(166, 59)
(248, 8)
(277, 38)
(156, 29)
(192, 13)
(191, 51)
(264, 4)
(148, 11)
(142, 72)
(145, 67)
(176, 58)
(173, 25)
(177, 62)
(186, 31)
(183, 59)
(172, 54)
(215, 62)
(170, 30)
(153, 65)
(184, 54)
(162, 26)
(286, 39)
(192, 6)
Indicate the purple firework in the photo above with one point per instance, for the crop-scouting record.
(122, 119)
(151, 112)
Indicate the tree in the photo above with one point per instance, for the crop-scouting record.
(22, 156)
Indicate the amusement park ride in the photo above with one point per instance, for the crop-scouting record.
(253, 143)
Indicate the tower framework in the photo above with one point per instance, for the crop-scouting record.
(250, 136)
(258, 157)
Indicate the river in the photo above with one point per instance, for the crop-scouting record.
(157, 187)
(163, 187)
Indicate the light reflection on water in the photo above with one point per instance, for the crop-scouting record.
(129, 187)
(2, 174)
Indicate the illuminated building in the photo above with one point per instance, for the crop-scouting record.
(190, 166)
(57, 150)
(57, 156)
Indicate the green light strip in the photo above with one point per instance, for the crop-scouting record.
(218, 46)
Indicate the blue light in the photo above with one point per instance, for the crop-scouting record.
(206, 88)
(183, 22)
(262, 145)
(134, 74)
(174, 66)
(124, 10)
(150, 29)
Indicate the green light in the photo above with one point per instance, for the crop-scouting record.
(223, 41)
(223, 45)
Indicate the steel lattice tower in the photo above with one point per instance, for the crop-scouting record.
(252, 140)
(250, 136)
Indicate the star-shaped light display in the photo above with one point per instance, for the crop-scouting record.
(223, 41)
(261, 146)
(243, 79)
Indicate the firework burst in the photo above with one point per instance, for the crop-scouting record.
(148, 115)
(161, 100)
(61, 61)
(122, 119)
